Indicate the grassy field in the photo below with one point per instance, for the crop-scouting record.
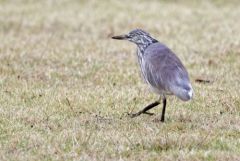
(66, 87)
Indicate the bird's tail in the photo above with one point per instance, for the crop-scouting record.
(185, 93)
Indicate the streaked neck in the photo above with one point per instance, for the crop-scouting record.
(143, 46)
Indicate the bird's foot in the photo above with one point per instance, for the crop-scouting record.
(132, 115)
(148, 113)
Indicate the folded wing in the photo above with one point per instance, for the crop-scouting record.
(164, 71)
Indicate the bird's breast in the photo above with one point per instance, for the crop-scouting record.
(141, 64)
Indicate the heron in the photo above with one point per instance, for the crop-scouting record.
(161, 69)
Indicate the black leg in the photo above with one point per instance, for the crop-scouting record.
(164, 108)
(145, 110)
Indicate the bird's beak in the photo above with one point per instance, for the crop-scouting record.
(121, 37)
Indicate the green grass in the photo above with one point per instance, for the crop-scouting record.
(66, 87)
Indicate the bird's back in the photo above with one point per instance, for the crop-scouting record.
(163, 70)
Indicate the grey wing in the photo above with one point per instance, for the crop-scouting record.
(164, 71)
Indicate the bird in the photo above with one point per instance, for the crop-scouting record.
(161, 69)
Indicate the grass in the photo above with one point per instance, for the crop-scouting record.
(65, 86)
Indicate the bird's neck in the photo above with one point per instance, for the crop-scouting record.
(143, 46)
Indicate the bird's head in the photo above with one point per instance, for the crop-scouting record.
(138, 37)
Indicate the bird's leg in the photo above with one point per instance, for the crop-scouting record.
(164, 108)
(145, 109)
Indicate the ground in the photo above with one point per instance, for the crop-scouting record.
(66, 87)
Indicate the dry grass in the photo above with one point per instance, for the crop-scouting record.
(65, 86)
